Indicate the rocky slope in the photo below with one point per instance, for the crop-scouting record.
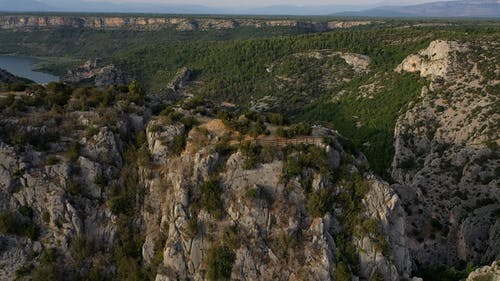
(17, 22)
(490, 273)
(107, 183)
(197, 201)
(447, 157)
(94, 73)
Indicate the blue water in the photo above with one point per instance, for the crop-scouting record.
(23, 67)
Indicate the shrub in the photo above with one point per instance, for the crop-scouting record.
(251, 152)
(224, 148)
(100, 181)
(193, 103)
(73, 151)
(81, 248)
(26, 211)
(319, 203)
(193, 227)
(73, 187)
(189, 122)
(91, 131)
(210, 199)
(52, 160)
(46, 217)
(10, 223)
(276, 119)
(136, 93)
(220, 263)
(178, 144)
(300, 129)
(230, 237)
(341, 272)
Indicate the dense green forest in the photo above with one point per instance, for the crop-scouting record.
(269, 67)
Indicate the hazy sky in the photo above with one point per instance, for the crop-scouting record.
(222, 3)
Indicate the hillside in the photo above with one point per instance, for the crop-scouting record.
(356, 154)
(441, 9)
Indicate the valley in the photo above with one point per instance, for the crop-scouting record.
(200, 148)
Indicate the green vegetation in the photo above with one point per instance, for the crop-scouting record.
(20, 225)
(220, 263)
(210, 199)
(319, 203)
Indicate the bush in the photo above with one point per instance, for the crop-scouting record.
(193, 227)
(319, 203)
(210, 200)
(80, 248)
(100, 181)
(178, 144)
(136, 93)
(46, 217)
(224, 148)
(230, 237)
(341, 273)
(300, 129)
(251, 152)
(73, 151)
(276, 119)
(52, 160)
(10, 223)
(220, 263)
(189, 122)
(377, 276)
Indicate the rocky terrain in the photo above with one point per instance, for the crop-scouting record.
(101, 181)
(17, 22)
(447, 157)
(93, 72)
(206, 204)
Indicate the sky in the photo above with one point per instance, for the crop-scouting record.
(246, 3)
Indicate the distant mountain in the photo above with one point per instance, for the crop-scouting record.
(462, 8)
(84, 6)
(299, 10)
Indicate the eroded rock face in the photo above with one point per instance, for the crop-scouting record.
(94, 73)
(277, 239)
(446, 155)
(157, 23)
(490, 273)
(435, 61)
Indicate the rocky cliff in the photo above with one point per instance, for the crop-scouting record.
(157, 23)
(185, 195)
(93, 72)
(447, 157)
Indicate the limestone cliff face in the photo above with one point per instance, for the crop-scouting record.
(93, 72)
(203, 204)
(447, 157)
(490, 273)
(264, 219)
(157, 23)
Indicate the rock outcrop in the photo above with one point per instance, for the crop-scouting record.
(489, 273)
(446, 155)
(20, 22)
(95, 73)
(265, 220)
(435, 61)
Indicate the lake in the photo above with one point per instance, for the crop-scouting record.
(23, 67)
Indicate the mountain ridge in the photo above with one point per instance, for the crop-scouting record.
(461, 8)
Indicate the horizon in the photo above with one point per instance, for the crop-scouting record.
(376, 8)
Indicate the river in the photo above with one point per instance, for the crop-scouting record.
(23, 67)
